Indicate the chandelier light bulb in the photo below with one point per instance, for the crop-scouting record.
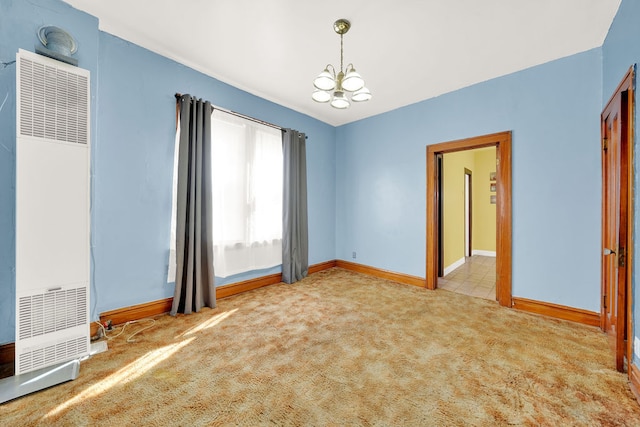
(352, 81)
(339, 101)
(321, 95)
(325, 80)
(361, 95)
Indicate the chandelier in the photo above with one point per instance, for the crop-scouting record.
(335, 87)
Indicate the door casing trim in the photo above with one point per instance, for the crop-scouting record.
(502, 142)
(627, 84)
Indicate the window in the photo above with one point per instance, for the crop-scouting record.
(247, 194)
(247, 181)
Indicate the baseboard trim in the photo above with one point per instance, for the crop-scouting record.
(247, 285)
(558, 311)
(93, 329)
(483, 253)
(634, 380)
(453, 266)
(136, 312)
(322, 266)
(7, 353)
(383, 274)
(259, 282)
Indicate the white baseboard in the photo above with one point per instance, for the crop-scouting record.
(483, 253)
(453, 266)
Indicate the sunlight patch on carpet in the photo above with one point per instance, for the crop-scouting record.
(209, 323)
(127, 374)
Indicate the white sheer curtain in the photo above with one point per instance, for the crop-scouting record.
(171, 275)
(247, 194)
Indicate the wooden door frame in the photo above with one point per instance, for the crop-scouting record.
(502, 142)
(468, 214)
(625, 91)
(439, 215)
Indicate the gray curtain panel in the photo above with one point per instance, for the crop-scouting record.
(295, 240)
(194, 246)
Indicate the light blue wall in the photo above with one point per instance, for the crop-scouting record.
(134, 161)
(553, 111)
(620, 51)
(19, 23)
(133, 126)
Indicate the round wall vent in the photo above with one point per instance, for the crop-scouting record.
(57, 40)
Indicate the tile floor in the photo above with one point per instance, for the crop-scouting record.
(476, 277)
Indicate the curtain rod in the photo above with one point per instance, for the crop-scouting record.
(215, 107)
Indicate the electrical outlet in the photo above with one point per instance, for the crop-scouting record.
(353, 254)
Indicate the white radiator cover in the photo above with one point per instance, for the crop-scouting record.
(52, 212)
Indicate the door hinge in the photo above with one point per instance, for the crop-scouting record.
(605, 144)
(604, 300)
(621, 256)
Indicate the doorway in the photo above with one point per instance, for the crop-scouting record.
(617, 219)
(502, 142)
(468, 241)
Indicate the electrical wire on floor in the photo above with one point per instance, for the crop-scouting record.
(130, 337)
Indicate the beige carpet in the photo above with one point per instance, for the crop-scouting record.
(339, 348)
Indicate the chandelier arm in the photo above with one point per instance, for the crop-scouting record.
(330, 68)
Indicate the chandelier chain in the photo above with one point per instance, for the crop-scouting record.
(341, 50)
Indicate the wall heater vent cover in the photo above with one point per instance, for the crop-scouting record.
(52, 353)
(52, 212)
(54, 102)
(52, 311)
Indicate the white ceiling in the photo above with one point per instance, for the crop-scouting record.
(406, 50)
